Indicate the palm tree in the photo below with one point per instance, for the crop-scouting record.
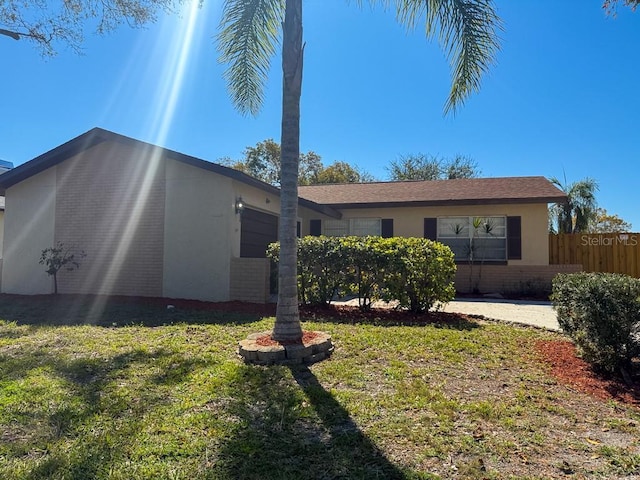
(576, 213)
(249, 33)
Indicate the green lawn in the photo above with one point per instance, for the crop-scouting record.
(126, 391)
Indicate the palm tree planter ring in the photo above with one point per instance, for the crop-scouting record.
(261, 349)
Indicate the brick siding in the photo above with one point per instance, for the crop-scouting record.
(510, 279)
(249, 280)
(112, 208)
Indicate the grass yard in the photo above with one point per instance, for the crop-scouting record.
(121, 390)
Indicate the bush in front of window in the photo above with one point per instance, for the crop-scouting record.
(368, 261)
(416, 272)
(601, 313)
(420, 273)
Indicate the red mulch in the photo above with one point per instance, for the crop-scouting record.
(351, 314)
(574, 372)
(267, 341)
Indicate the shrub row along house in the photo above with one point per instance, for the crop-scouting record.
(155, 222)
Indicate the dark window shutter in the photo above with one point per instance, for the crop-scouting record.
(386, 228)
(315, 228)
(514, 238)
(298, 229)
(431, 228)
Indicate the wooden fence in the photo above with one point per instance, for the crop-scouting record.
(597, 252)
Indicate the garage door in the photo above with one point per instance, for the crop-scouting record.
(258, 230)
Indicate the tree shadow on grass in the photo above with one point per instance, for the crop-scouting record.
(89, 422)
(288, 426)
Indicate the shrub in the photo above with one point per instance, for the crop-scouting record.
(60, 257)
(601, 313)
(367, 263)
(420, 273)
(416, 272)
(321, 268)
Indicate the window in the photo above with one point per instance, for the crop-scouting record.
(474, 238)
(361, 227)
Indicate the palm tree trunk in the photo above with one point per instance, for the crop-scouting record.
(287, 325)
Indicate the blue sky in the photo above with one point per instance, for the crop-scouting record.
(562, 98)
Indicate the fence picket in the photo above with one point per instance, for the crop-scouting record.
(597, 252)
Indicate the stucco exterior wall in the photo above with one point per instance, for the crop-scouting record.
(29, 228)
(409, 222)
(201, 227)
(305, 215)
(1, 232)
(257, 199)
(110, 204)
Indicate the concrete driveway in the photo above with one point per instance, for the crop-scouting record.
(539, 314)
(536, 313)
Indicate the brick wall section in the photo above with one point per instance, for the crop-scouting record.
(518, 279)
(249, 280)
(110, 203)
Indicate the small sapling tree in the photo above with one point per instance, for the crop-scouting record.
(59, 257)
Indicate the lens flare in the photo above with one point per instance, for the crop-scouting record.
(146, 172)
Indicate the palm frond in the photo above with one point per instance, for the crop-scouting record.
(248, 35)
(578, 212)
(468, 33)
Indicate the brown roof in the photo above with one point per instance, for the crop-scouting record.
(471, 191)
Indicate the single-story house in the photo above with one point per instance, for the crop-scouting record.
(155, 222)
(498, 228)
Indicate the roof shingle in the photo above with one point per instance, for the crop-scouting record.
(436, 192)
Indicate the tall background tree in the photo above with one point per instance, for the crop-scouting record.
(421, 166)
(339, 172)
(605, 222)
(263, 163)
(249, 33)
(48, 24)
(578, 212)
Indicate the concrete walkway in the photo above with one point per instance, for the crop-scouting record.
(539, 314)
(536, 313)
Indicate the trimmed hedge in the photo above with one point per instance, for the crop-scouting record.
(417, 272)
(420, 275)
(601, 313)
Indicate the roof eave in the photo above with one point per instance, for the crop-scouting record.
(96, 136)
(52, 157)
(450, 202)
(249, 180)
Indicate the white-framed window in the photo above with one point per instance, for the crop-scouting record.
(475, 238)
(360, 227)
